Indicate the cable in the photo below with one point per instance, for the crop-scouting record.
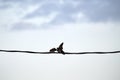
(59, 53)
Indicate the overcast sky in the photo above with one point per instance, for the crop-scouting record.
(38, 25)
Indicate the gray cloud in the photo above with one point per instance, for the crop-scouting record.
(23, 26)
(101, 10)
(4, 6)
(95, 10)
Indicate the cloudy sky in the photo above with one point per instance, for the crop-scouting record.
(38, 25)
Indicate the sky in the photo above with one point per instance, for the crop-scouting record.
(39, 25)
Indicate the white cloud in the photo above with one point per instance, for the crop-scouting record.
(61, 1)
(8, 17)
(14, 14)
(80, 17)
(39, 20)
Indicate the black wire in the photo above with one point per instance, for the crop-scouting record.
(59, 53)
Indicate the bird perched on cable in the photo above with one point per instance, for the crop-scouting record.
(60, 48)
(53, 50)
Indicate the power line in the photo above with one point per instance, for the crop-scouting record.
(20, 51)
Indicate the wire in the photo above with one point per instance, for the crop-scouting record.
(59, 53)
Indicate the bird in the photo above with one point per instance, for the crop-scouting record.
(52, 50)
(60, 48)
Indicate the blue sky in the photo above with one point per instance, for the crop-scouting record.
(38, 25)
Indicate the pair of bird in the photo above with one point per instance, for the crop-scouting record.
(59, 49)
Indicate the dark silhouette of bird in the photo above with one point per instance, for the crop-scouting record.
(60, 48)
(53, 50)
